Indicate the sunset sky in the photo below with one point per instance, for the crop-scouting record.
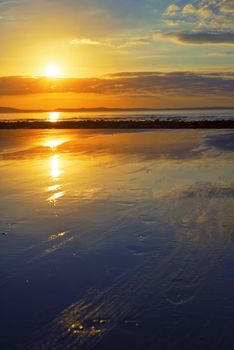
(125, 53)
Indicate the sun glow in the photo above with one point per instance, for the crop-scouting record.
(53, 116)
(53, 71)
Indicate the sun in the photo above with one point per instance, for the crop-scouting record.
(53, 116)
(53, 70)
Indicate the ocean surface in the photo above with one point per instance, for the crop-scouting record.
(186, 115)
(116, 240)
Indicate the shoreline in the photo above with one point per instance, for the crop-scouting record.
(116, 124)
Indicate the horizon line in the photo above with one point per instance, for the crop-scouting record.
(6, 109)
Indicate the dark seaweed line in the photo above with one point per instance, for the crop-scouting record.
(123, 124)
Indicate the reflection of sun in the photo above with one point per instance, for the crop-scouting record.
(53, 70)
(55, 175)
(53, 116)
(53, 188)
(55, 197)
(54, 164)
(54, 143)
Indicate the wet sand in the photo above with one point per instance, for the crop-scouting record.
(116, 239)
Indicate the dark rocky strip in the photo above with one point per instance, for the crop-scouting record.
(117, 124)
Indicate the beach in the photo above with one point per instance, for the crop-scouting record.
(116, 239)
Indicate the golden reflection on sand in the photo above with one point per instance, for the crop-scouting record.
(53, 143)
(53, 188)
(79, 329)
(55, 167)
(56, 196)
(57, 235)
(55, 173)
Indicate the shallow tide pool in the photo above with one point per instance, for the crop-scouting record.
(116, 240)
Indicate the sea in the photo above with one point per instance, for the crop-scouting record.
(177, 115)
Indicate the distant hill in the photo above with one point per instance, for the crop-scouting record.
(102, 109)
(16, 110)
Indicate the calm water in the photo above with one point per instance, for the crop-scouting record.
(215, 114)
(114, 240)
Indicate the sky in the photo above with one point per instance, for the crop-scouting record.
(125, 53)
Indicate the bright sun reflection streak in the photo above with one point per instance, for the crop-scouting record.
(53, 188)
(53, 116)
(56, 196)
(55, 173)
(54, 143)
(54, 164)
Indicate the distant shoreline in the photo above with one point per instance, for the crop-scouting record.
(104, 109)
(116, 124)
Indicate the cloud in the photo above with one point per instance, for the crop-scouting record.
(227, 6)
(114, 43)
(84, 42)
(221, 53)
(203, 11)
(126, 83)
(171, 23)
(198, 38)
(189, 9)
(204, 14)
(172, 10)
